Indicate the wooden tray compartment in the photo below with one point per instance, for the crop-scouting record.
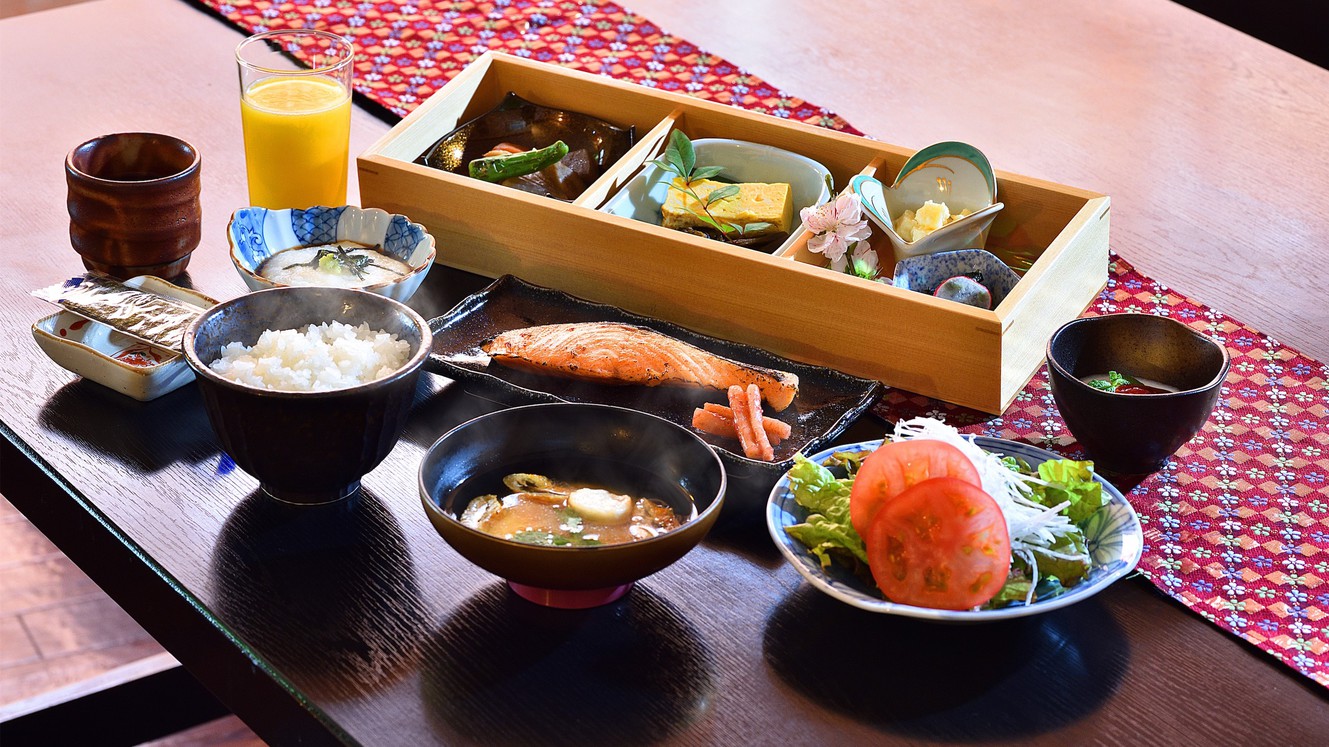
(782, 303)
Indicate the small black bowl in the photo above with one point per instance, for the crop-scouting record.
(306, 447)
(1134, 433)
(624, 450)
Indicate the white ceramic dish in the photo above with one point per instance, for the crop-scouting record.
(1114, 537)
(90, 349)
(644, 194)
(257, 233)
(955, 173)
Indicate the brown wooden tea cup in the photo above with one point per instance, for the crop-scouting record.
(133, 203)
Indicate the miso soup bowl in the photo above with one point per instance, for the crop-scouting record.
(624, 450)
(306, 447)
(1134, 433)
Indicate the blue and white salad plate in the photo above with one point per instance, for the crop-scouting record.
(1114, 536)
(256, 233)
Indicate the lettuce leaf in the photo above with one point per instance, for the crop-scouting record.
(1068, 572)
(1014, 592)
(818, 490)
(1071, 481)
(1017, 587)
(827, 532)
(827, 539)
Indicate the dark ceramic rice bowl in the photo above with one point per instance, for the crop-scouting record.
(306, 447)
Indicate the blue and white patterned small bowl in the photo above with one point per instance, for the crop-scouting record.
(257, 233)
(924, 273)
(1114, 537)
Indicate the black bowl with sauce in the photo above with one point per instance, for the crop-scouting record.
(1134, 433)
(593, 145)
(621, 449)
(306, 447)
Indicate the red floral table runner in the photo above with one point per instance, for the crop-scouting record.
(1236, 524)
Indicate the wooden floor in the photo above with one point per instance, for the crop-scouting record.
(57, 628)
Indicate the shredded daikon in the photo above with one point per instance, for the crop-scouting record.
(1031, 525)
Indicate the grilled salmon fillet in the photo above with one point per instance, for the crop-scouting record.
(611, 353)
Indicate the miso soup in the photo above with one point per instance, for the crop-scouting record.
(579, 512)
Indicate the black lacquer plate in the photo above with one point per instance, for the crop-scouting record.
(828, 401)
(593, 145)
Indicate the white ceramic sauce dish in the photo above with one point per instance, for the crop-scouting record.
(99, 353)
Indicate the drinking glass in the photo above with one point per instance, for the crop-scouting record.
(297, 120)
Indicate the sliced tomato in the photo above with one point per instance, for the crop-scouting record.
(897, 466)
(942, 544)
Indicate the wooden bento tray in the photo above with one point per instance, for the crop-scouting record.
(786, 303)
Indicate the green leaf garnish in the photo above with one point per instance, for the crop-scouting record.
(722, 193)
(570, 520)
(706, 172)
(712, 222)
(687, 157)
(537, 537)
(341, 261)
(1113, 381)
(549, 539)
(673, 157)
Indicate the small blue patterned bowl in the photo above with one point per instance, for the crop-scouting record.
(925, 272)
(257, 233)
(1114, 536)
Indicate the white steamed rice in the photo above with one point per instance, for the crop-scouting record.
(317, 358)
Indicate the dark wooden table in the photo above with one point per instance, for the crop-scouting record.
(355, 622)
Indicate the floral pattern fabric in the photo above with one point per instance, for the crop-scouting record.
(1236, 523)
(406, 51)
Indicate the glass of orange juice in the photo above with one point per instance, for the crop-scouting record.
(296, 116)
